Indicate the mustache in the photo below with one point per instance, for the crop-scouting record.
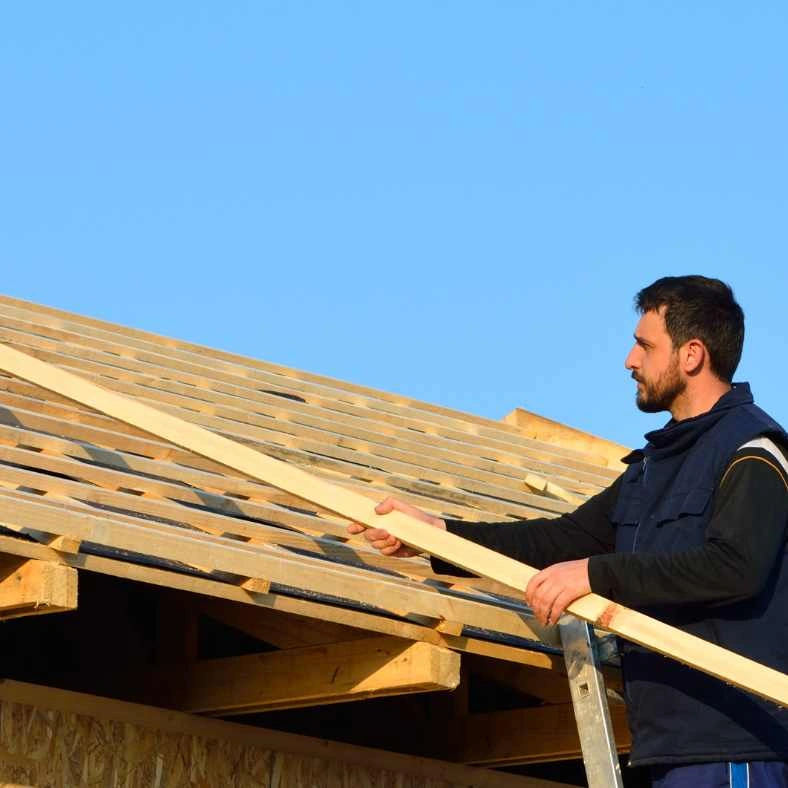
(636, 377)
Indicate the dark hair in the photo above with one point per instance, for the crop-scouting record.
(699, 308)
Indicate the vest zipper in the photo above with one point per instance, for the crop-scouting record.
(643, 488)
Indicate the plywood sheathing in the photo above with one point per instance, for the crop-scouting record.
(62, 739)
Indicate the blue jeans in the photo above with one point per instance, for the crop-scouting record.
(756, 774)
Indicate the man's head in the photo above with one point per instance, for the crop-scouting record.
(690, 334)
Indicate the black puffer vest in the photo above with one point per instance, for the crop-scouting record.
(677, 714)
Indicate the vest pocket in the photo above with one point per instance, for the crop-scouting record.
(689, 502)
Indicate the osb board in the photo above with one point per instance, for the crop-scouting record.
(52, 748)
(55, 739)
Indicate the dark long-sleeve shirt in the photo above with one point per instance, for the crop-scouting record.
(743, 539)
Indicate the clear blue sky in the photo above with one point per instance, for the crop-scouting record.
(455, 201)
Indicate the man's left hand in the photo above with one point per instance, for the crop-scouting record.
(551, 591)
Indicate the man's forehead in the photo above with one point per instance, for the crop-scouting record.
(651, 325)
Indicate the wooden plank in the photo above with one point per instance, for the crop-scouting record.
(141, 472)
(37, 715)
(543, 429)
(214, 590)
(305, 421)
(310, 676)
(449, 459)
(128, 344)
(312, 442)
(522, 736)
(446, 503)
(36, 587)
(170, 511)
(719, 662)
(551, 489)
(260, 409)
(22, 510)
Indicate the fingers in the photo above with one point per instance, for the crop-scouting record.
(543, 594)
(552, 590)
(538, 596)
(381, 539)
(387, 505)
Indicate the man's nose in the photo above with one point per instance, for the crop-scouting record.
(630, 361)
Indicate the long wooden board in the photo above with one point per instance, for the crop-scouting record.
(726, 665)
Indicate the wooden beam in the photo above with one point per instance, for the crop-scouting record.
(34, 587)
(727, 665)
(520, 736)
(553, 432)
(283, 604)
(25, 511)
(311, 676)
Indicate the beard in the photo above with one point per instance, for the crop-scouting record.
(659, 395)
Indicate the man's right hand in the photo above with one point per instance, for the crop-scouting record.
(382, 540)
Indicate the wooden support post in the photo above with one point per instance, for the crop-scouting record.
(316, 675)
(34, 587)
(726, 665)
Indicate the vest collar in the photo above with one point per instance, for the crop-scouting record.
(678, 436)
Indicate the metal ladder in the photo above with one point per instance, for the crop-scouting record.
(583, 658)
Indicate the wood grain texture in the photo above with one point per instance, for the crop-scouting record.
(36, 587)
(311, 676)
(60, 739)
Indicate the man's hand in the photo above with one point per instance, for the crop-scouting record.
(551, 591)
(382, 540)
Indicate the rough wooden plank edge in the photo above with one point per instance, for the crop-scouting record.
(721, 663)
(36, 587)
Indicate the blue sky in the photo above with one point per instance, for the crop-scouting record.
(454, 201)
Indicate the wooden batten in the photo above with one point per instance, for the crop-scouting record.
(311, 676)
(531, 425)
(31, 587)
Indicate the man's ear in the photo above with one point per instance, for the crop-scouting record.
(693, 355)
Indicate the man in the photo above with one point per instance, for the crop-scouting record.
(692, 533)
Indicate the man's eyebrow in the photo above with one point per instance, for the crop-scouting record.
(642, 341)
